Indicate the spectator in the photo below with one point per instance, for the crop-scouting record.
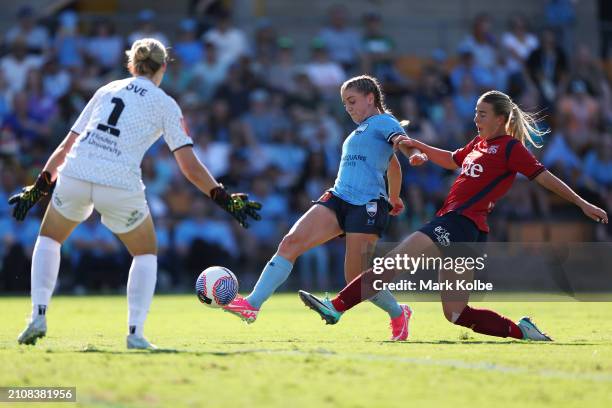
(209, 73)
(202, 240)
(68, 42)
(236, 89)
(586, 68)
(178, 79)
(41, 107)
(56, 80)
(419, 127)
(188, 48)
(16, 64)
(93, 248)
(560, 16)
(27, 127)
(147, 29)
(219, 121)
(481, 42)
(467, 67)
(264, 46)
(547, 67)
(282, 71)
(579, 114)
(326, 74)
(262, 120)
(560, 158)
(378, 52)
(518, 42)
(597, 168)
(105, 46)
(274, 211)
(214, 154)
(229, 41)
(6, 96)
(465, 99)
(35, 36)
(343, 43)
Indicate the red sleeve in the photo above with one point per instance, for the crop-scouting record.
(459, 154)
(523, 161)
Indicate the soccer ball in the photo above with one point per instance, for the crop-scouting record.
(216, 286)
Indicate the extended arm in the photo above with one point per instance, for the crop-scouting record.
(194, 171)
(552, 183)
(442, 158)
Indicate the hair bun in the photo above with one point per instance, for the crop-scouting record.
(142, 52)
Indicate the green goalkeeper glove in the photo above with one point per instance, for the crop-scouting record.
(238, 205)
(30, 195)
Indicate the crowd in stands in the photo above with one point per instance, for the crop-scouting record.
(269, 124)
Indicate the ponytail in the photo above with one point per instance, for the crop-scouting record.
(522, 126)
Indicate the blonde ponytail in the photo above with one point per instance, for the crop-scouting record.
(524, 126)
(520, 125)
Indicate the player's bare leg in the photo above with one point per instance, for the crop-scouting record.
(359, 251)
(54, 230)
(484, 321)
(362, 287)
(141, 242)
(317, 226)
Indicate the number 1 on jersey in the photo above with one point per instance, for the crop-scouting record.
(113, 118)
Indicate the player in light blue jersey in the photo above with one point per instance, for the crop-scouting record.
(358, 205)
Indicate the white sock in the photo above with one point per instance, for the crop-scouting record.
(45, 267)
(140, 289)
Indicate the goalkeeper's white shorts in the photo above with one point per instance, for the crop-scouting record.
(121, 210)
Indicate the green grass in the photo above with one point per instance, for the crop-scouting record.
(290, 358)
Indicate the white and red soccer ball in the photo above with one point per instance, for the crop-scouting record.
(216, 286)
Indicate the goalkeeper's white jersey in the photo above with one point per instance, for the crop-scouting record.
(118, 125)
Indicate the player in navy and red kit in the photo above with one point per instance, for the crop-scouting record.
(489, 164)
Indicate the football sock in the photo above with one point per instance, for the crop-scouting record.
(140, 289)
(276, 272)
(360, 288)
(45, 267)
(387, 302)
(486, 321)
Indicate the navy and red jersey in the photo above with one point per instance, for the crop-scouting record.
(488, 169)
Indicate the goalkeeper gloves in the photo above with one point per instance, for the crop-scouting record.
(237, 205)
(30, 195)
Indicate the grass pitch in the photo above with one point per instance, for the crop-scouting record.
(290, 358)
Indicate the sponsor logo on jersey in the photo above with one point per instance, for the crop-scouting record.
(442, 235)
(57, 200)
(492, 149)
(372, 208)
(471, 169)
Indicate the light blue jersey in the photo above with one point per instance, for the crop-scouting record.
(365, 158)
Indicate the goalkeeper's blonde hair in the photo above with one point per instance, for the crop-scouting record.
(146, 57)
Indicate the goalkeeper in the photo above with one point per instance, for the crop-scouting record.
(98, 166)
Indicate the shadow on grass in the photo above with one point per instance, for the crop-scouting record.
(187, 352)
